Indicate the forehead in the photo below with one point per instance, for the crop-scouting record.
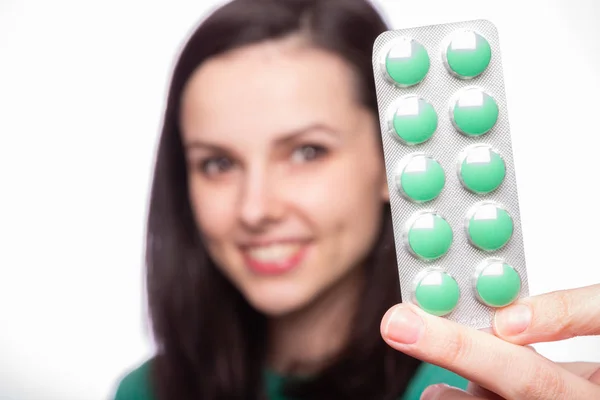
(268, 88)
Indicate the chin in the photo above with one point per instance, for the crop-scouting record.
(276, 302)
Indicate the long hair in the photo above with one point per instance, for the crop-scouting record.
(210, 341)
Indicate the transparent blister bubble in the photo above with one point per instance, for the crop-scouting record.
(448, 146)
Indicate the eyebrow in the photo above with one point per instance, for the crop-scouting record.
(293, 135)
(284, 139)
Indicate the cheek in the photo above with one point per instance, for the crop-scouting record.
(343, 200)
(214, 208)
(343, 186)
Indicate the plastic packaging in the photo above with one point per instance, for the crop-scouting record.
(449, 163)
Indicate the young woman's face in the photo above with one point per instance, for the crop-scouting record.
(285, 169)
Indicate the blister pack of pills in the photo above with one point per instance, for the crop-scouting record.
(449, 164)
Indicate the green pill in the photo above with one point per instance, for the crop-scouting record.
(467, 55)
(406, 62)
(481, 169)
(421, 178)
(497, 284)
(474, 112)
(428, 235)
(489, 226)
(414, 120)
(436, 292)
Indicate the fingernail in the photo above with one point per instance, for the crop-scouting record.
(512, 320)
(432, 392)
(404, 326)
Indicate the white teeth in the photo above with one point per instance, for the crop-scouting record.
(274, 252)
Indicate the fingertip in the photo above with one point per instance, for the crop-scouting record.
(385, 321)
(434, 392)
(393, 311)
(512, 321)
(443, 391)
(401, 325)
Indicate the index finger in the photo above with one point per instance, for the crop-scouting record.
(511, 371)
(551, 317)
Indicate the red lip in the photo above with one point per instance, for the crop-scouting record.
(276, 268)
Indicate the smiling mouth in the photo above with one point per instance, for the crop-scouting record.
(274, 258)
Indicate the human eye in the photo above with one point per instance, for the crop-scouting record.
(214, 166)
(309, 152)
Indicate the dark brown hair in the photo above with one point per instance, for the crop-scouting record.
(210, 341)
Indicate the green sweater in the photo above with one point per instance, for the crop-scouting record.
(136, 384)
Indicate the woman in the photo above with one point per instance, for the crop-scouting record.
(270, 254)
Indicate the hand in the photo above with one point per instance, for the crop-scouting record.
(499, 366)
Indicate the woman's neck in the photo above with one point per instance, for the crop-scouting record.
(302, 342)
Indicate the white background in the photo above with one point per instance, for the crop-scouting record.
(82, 86)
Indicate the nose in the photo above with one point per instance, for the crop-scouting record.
(260, 201)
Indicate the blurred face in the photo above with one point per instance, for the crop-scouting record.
(286, 173)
